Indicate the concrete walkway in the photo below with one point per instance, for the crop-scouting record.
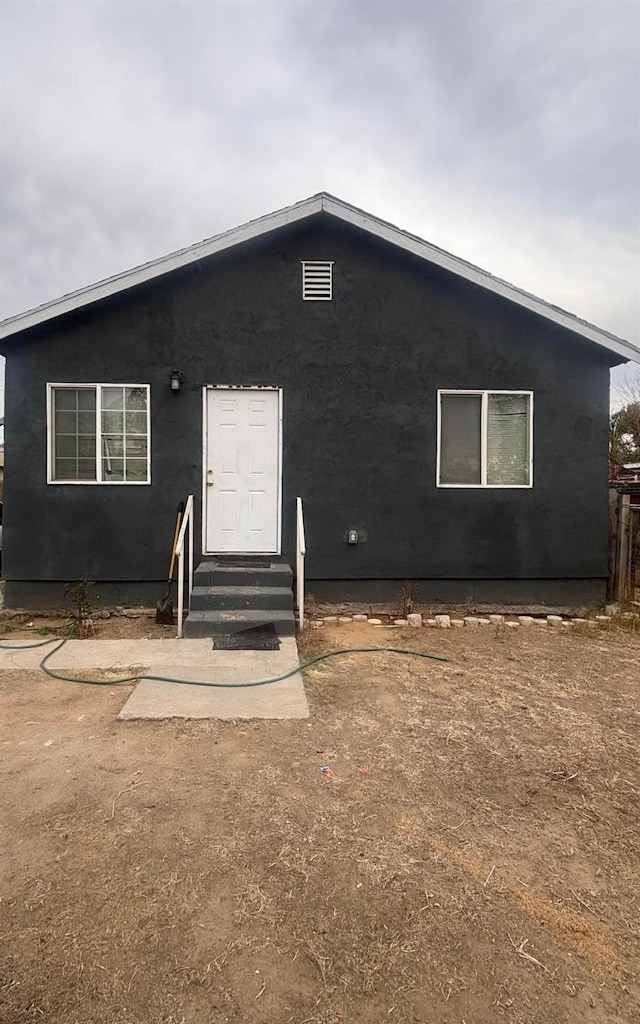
(183, 659)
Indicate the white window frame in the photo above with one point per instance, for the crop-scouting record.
(99, 481)
(317, 263)
(484, 395)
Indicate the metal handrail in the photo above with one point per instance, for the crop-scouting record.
(187, 523)
(301, 550)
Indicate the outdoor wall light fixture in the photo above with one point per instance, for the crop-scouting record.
(352, 537)
(176, 380)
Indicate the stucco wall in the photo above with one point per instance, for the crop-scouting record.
(360, 376)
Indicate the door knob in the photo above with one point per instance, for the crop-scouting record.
(209, 478)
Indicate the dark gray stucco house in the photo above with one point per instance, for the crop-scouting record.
(430, 416)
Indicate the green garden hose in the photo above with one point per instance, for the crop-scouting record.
(69, 627)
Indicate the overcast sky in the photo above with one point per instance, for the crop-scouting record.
(506, 131)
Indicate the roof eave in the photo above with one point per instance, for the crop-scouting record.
(155, 268)
(290, 215)
(417, 246)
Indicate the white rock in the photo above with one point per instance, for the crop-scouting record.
(415, 619)
(554, 620)
(443, 621)
(496, 620)
(512, 625)
(375, 622)
(611, 609)
(603, 618)
(579, 622)
(344, 619)
(431, 622)
(470, 620)
(401, 622)
(360, 618)
(526, 620)
(457, 623)
(484, 622)
(540, 622)
(317, 625)
(330, 619)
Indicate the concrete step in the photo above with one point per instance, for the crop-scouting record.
(217, 623)
(230, 598)
(216, 574)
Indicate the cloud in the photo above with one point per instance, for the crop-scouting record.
(504, 132)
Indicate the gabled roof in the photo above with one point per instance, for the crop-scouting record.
(320, 203)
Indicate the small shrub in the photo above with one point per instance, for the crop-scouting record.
(407, 600)
(79, 596)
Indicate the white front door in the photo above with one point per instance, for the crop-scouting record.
(242, 470)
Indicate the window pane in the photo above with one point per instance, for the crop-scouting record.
(112, 469)
(136, 469)
(87, 399)
(136, 399)
(74, 432)
(136, 448)
(112, 398)
(460, 442)
(136, 423)
(86, 469)
(66, 469)
(66, 422)
(87, 423)
(112, 446)
(66, 446)
(66, 398)
(86, 446)
(508, 439)
(112, 422)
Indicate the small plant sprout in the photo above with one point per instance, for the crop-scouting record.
(79, 596)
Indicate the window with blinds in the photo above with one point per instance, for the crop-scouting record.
(317, 281)
(485, 438)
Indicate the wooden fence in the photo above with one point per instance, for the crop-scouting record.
(624, 548)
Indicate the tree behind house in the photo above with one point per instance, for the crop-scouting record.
(624, 433)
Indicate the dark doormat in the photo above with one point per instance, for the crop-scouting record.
(254, 638)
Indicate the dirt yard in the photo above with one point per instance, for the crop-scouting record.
(474, 856)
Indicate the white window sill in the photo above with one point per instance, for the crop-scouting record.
(100, 483)
(485, 487)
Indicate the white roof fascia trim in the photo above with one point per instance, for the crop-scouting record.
(417, 246)
(155, 268)
(289, 215)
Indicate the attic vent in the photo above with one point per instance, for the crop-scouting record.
(317, 280)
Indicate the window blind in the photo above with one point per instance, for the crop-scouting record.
(508, 439)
